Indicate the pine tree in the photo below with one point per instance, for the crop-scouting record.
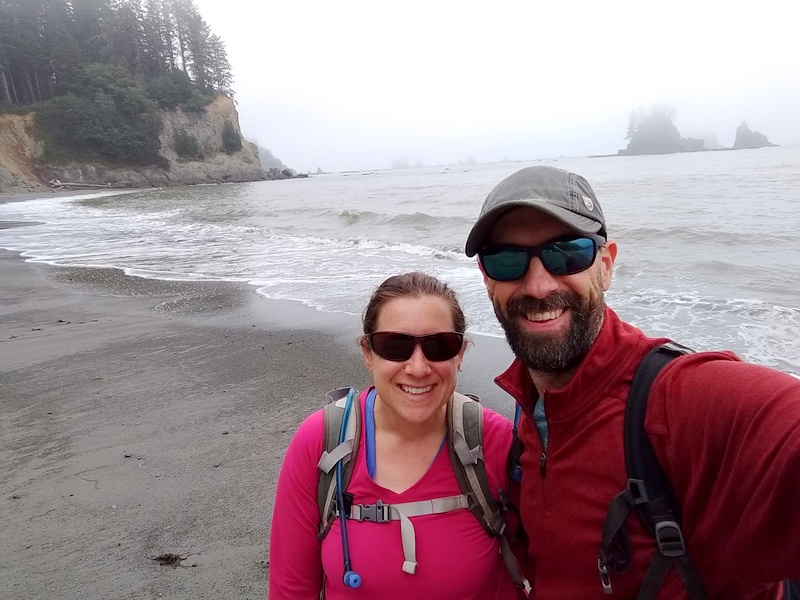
(633, 123)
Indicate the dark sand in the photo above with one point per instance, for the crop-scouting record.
(144, 418)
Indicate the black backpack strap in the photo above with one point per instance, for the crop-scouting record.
(650, 493)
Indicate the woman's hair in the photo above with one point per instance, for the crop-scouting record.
(411, 285)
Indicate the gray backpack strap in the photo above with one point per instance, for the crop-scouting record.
(465, 443)
(385, 513)
(333, 451)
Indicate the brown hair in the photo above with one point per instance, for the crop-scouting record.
(414, 285)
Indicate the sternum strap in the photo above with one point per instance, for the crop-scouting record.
(383, 513)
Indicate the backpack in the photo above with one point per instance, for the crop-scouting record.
(650, 493)
(465, 447)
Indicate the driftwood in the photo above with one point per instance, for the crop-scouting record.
(60, 185)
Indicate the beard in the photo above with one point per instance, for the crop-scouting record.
(553, 352)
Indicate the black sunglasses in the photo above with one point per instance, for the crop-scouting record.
(563, 256)
(397, 347)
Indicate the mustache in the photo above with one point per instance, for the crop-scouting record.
(526, 304)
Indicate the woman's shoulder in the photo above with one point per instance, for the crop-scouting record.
(311, 426)
(497, 432)
(311, 431)
(308, 438)
(496, 422)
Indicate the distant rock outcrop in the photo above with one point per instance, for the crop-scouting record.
(653, 132)
(22, 169)
(657, 134)
(268, 160)
(710, 142)
(750, 139)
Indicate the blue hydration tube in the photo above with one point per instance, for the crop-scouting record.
(351, 579)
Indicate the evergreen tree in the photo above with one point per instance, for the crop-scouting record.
(633, 123)
(222, 75)
(45, 45)
(231, 139)
(96, 70)
(87, 18)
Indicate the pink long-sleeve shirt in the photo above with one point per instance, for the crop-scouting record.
(456, 557)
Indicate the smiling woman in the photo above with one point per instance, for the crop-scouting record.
(403, 475)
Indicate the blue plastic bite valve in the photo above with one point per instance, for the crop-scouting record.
(352, 579)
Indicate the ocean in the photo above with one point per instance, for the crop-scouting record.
(709, 242)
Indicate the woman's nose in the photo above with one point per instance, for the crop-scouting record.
(417, 364)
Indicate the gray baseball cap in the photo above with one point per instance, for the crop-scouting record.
(566, 196)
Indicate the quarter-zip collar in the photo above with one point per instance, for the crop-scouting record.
(604, 371)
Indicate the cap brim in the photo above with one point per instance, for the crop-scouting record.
(484, 224)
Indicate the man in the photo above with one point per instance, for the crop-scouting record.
(726, 433)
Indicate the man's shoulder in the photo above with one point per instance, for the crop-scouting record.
(708, 367)
(709, 385)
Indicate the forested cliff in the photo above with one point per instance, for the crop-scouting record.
(126, 92)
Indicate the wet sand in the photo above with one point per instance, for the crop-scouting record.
(142, 419)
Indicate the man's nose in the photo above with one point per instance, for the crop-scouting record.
(538, 282)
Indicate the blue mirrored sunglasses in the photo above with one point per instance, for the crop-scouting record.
(563, 256)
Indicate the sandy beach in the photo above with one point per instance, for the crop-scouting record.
(145, 420)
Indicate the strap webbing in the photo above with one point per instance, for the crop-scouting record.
(650, 493)
(383, 513)
(328, 460)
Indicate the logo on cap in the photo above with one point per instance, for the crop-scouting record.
(587, 202)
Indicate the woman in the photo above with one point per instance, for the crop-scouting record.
(413, 345)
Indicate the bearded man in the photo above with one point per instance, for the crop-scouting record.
(726, 433)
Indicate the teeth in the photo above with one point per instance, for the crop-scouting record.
(545, 316)
(414, 390)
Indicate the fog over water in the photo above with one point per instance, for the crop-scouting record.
(354, 84)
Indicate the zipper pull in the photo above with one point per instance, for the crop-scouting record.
(543, 463)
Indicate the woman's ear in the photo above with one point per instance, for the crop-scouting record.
(362, 341)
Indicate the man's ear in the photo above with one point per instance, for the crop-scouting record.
(608, 254)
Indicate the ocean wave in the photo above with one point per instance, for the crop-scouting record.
(700, 235)
(760, 331)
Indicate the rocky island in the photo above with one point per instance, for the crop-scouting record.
(750, 139)
(656, 133)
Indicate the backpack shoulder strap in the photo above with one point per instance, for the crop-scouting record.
(465, 445)
(650, 493)
(334, 450)
(653, 496)
(645, 475)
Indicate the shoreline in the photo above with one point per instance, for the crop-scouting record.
(43, 193)
(141, 418)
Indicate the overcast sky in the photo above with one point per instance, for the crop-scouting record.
(349, 85)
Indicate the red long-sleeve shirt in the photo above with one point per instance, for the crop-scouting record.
(727, 434)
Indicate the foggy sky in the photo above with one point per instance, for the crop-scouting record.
(353, 85)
